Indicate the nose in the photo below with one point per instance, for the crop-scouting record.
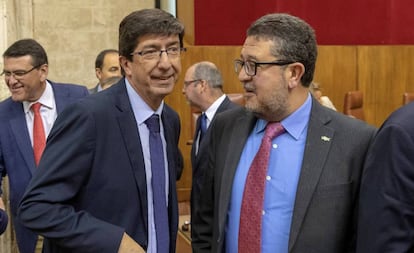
(243, 76)
(164, 61)
(11, 80)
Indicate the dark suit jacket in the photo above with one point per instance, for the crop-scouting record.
(16, 152)
(199, 161)
(325, 205)
(91, 184)
(94, 89)
(386, 214)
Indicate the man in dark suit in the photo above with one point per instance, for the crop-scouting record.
(106, 66)
(96, 189)
(25, 72)
(299, 188)
(386, 205)
(203, 89)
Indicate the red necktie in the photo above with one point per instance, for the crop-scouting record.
(39, 139)
(250, 229)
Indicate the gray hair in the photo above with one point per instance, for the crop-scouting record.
(209, 72)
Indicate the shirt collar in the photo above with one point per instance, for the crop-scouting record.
(295, 123)
(46, 99)
(214, 106)
(141, 110)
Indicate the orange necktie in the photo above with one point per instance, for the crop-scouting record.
(250, 230)
(39, 139)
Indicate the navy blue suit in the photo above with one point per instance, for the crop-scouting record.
(386, 205)
(16, 152)
(91, 184)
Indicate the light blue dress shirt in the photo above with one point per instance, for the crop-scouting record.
(142, 112)
(281, 181)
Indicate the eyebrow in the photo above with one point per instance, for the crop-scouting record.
(157, 46)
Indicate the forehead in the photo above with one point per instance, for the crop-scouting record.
(21, 61)
(111, 57)
(190, 72)
(157, 40)
(254, 48)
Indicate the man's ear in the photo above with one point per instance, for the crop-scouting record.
(295, 73)
(125, 65)
(98, 73)
(44, 71)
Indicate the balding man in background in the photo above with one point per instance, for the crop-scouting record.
(203, 88)
(106, 66)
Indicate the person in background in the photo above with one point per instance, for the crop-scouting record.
(203, 89)
(106, 66)
(107, 180)
(386, 203)
(284, 172)
(317, 93)
(25, 72)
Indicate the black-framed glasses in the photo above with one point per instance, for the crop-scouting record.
(188, 83)
(154, 54)
(250, 67)
(18, 74)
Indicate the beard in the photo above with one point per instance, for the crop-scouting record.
(271, 106)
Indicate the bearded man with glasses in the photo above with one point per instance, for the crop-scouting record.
(283, 172)
(25, 72)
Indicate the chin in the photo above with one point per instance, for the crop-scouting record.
(250, 106)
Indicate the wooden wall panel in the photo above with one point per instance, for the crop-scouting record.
(384, 74)
(336, 72)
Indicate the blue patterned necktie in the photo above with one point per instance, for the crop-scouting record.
(203, 125)
(158, 185)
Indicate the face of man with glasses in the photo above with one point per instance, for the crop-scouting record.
(25, 81)
(192, 88)
(155, 66)
(265, 78)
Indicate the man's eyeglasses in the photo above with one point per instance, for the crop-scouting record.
(250, 67)
(18, 74)
(188, 83)
(153, 54)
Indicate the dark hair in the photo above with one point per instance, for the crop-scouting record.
(25, 47)
(293, 40)
(144, 22)
(101, 56)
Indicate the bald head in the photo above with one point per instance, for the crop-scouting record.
(203, 84)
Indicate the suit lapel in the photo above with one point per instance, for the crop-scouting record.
(19, 128)
(168, 135)
(203, 145)
(61, 96)
(237, 139)
(318, 144)
(129, 131)
(171, 139)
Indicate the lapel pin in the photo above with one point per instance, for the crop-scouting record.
(325, 138)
